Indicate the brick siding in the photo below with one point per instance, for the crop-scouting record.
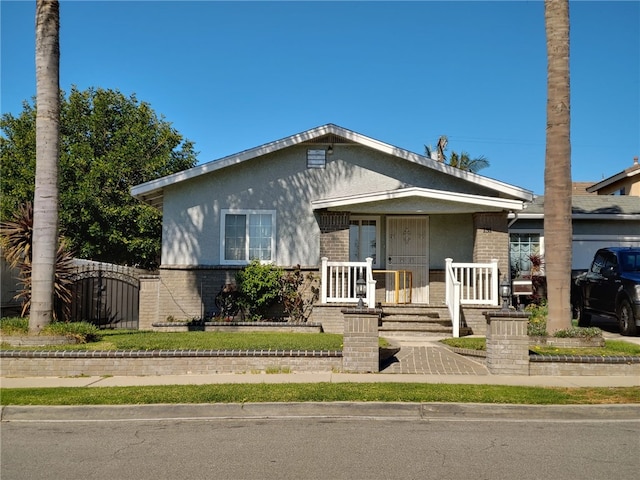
(491, 240)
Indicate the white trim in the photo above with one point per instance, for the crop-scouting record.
(449, 196)
(378, 221)
(247, 213)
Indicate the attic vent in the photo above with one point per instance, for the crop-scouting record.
(316, 158)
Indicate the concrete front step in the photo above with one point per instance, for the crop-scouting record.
(424, 310)
(421, 333)
(418, 320)
(414, 325)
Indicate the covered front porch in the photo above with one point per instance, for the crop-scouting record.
(414, 246)
(474, 284)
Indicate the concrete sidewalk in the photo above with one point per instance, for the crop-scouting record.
(321, 377)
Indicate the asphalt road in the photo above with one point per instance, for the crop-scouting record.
(308, 447)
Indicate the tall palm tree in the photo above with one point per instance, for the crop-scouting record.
(557, 172)
(45, 202)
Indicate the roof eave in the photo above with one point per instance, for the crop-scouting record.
(611, 180)
(157, 186)
(455, 197)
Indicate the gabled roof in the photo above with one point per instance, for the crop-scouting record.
(627, 173)
(152, 192)
(594, 207)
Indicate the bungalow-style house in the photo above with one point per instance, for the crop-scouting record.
(343, 205)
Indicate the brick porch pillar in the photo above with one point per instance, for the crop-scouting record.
(149, 301)
(360, 350)
(507, 342)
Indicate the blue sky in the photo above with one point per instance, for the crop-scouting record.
(235, 75)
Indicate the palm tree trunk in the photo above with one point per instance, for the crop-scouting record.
(557, 173)
(45, 202)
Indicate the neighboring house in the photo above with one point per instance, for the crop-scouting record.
(326, 192)
(626, 182)
(597, 221)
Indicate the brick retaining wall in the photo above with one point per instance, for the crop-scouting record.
(563, 365)
(163, 362)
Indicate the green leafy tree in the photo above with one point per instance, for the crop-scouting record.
(108, 144)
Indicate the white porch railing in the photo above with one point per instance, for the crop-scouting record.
(339, 282)
(470, 283)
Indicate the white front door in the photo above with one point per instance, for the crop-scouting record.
(408, 249)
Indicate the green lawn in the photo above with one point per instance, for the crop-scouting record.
(141, 340)
(612, 348)
(318, 392)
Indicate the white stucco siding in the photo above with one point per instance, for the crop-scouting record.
(282, 182)
(190, 216)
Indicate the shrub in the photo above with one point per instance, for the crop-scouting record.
(578, 332)
(297, 295)
(83, 332)
(16, 238)
(537, 326)
(259, 287)
(14, 326)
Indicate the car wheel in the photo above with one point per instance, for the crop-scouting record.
(625, 318)
(584, 319)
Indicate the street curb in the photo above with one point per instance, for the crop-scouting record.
(354, 410)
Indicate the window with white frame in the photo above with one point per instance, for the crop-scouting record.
(525, 250)
(247, 235)
(364, 239)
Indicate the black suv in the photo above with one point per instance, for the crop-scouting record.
(611, 287)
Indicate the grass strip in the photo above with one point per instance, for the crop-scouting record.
(145, 340)
(612, 348)
(319, 392)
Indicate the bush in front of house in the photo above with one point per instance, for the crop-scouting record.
(298, 294)
(259, 286)
(537, 326)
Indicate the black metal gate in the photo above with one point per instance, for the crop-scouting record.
(106, 295)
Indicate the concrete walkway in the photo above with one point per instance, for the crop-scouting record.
(427, 356)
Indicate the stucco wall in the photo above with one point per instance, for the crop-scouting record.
(282, 182)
